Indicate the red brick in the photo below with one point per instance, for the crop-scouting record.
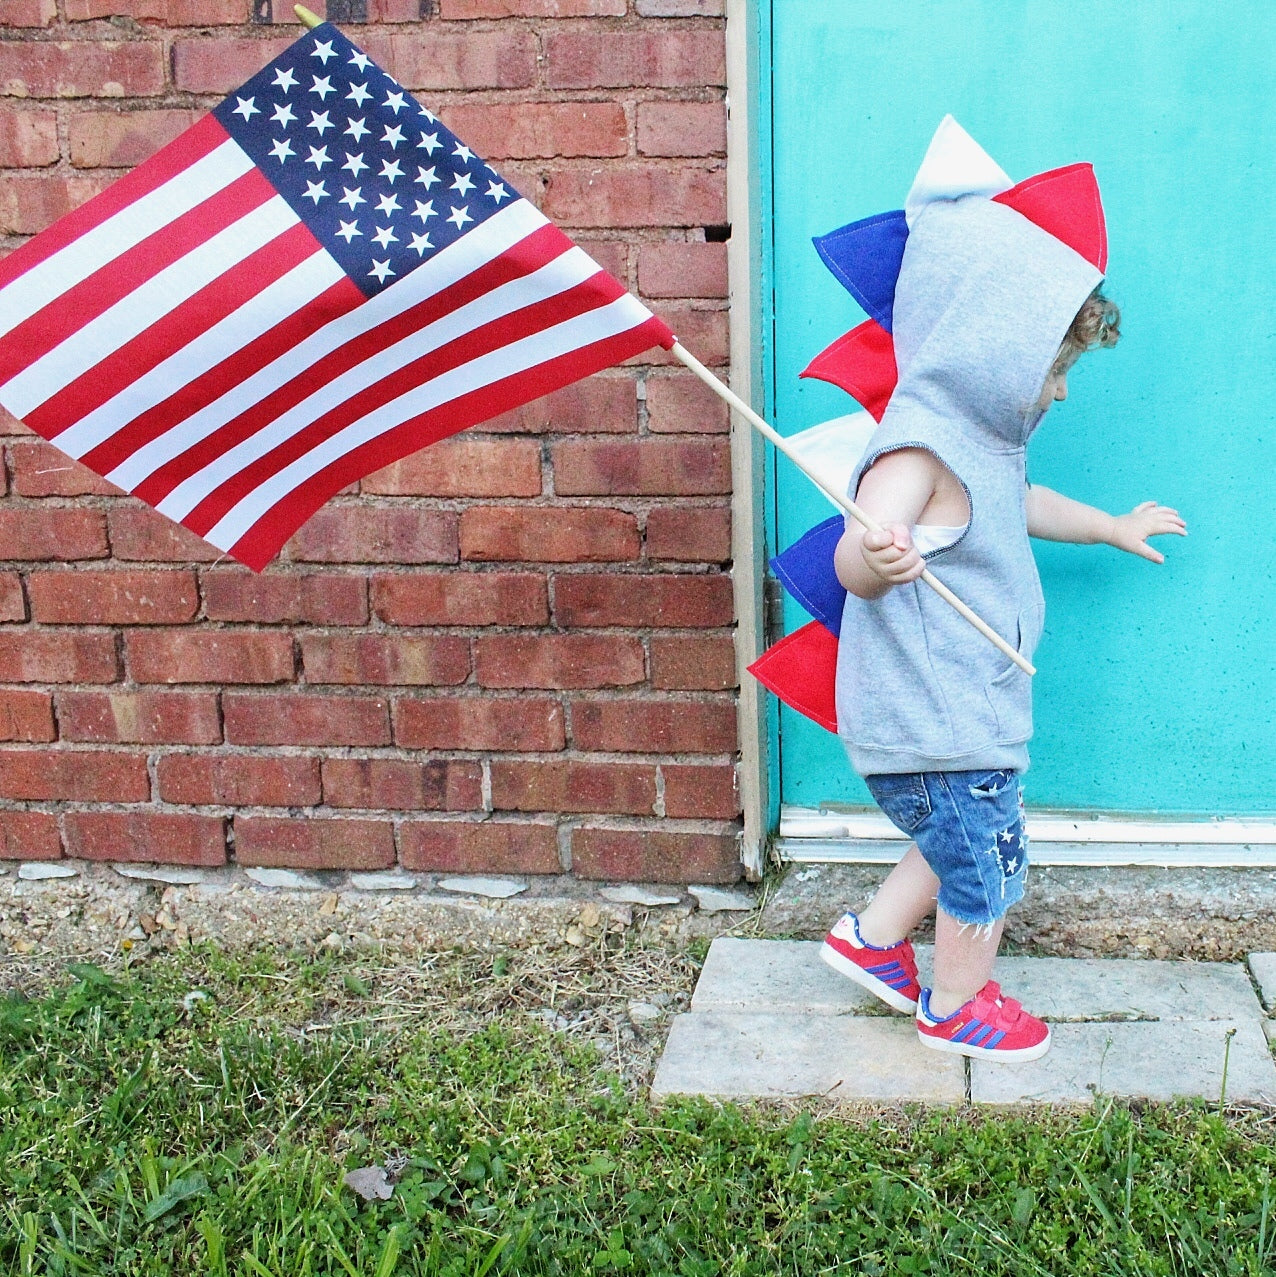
(541, 130)
(376, 534)
(433, 59)
(219, 65)
(305, 719)
(648, 467)
(559, 660)
(29, 835)
(10, 425)
(28, 137)
(597, 405)
(659, 601)
(641, 855)
(41, 470)
(52, 657)
(681, 8)
(678, 403)
(655, 726)
(26, 716)
(82, 68)
(141, 534)
(65, 775)
(637, 195)
(238, 780)
(394, 11)
(12, 608)
(689, 534)
(518, 724)
(173, 838)
(683, 268)
(40, 533)
(142, 718)
(673, 57)
(461, 598)
(119, 597)
(29, 13)
(701, 792)
(316, 598)
(425, 660)
(463, 468)
(121, 139)
(488, 846)
(208, 656)
(314, 843)
(172, 13)
(682, 128)
(613, 256)
(702, 327)
(693, 664)
(467, 9)
(391, 784)
(548, 534)
(564, 785)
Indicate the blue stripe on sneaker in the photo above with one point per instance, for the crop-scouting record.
(983, 1035)
(968, 1031)
(882, 968)
(897, 981)
(995, 1040)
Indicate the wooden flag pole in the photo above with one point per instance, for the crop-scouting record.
(311, 20)
(842, 501)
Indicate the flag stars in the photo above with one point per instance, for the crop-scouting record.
(429, 115)
(357, 129)
(427, 177)
(393, 136)
(246, 108)
(351, 199)
(381, 270)
(318, 157)
(429, 143)
(391, 170)
(420, 244)
(281, 150)
(394, 102)
(424, 211)
(320, 122)
(354, 164)
(322, 86)
(315, 191)
(283, 115)
(361, 60)
(358, 94)
(349, 230)
(463, 184)
(385, 236)
(323, 50)
(459, 216)
(496, 191)
(284, 79)
(463, 153)
(388, 205)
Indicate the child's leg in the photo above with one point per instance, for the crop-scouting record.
(963, 961)
(902, 901)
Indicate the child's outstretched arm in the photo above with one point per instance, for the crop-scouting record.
(1054, 517)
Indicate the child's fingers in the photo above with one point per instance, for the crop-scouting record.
(1147, 552)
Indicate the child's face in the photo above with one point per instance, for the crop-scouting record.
(1056, 387)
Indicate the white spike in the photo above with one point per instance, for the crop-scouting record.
(955, 165)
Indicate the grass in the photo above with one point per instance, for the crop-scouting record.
(195, 1113)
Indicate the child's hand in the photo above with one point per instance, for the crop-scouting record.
(1131, 531)
(891, 556)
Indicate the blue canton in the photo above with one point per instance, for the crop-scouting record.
(374, 175)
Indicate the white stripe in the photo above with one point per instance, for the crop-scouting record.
(557, 276)
(258, 315)
(144, 306)
(595, 325)
(49, 279)
(501, 232)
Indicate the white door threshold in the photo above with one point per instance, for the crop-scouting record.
(856, 835)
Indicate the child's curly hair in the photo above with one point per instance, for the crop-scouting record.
(1097, 325)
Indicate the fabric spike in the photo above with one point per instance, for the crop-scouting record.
(955, 165)
(865, 258)
(801, 669)
(1064, 202)
(806, 570)
(861, 362)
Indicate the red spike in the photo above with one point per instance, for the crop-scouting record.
(801, 669)
(1065, 202)
(861, 362)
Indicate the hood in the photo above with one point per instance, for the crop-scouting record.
(983, 301)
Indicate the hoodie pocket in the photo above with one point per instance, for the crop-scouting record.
(1010, 693)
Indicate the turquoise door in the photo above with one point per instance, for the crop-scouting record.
(1157, 685)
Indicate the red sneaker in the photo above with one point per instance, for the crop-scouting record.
(890, 972)
(988, 1027)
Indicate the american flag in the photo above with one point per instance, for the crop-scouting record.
(314, 281)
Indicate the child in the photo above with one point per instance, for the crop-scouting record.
(990, 313)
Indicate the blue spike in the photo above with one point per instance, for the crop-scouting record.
(805, 569)
(865, 257)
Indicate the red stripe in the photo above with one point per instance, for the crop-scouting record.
(199, 312)
(199, 140)
(598, 290)
(265, 538)
(528, 255)
(83, 303)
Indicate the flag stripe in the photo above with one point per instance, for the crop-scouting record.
(163, 292)
(263, 540)
(86, 300)
(109, 231)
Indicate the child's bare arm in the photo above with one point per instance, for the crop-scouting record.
(894, 490)
(1054, 517)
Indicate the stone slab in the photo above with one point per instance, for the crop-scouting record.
(492, 888)
(1146, 1060)
(733, 1055)
(720, 900)
(1262, 967)
(775, 976)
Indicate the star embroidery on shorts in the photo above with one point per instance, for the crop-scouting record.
(1007, 835)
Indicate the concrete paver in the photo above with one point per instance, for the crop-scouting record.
(1263, 968)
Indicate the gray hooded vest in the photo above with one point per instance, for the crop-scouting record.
(983, 301)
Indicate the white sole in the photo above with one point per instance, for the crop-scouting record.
(1019, 1056)
(878, 988)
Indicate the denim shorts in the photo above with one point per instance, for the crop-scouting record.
(969, 828)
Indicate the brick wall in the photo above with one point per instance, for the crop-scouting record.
(511, 653)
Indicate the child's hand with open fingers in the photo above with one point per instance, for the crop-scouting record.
(1131, 531)
(891, 555)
